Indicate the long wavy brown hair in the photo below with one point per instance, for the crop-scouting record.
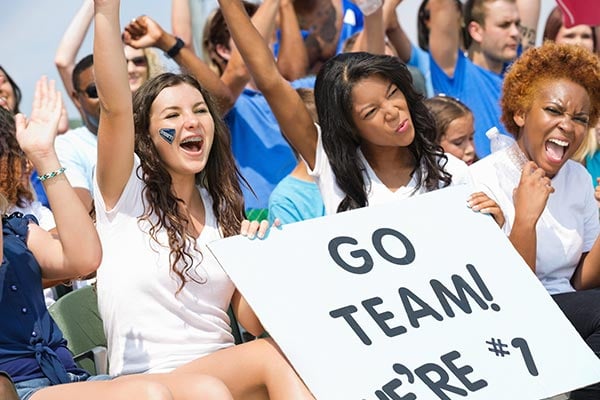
(14, 166)
(220, 177)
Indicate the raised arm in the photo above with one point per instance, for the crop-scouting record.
(77, 250)
(291, 113)
(529, 13)
(393, 30)
(444, 34)
(293, 56)
(181, 22)
(236, 75)
(372, 37)
(116, 131)
(144, 32)
(70, 43)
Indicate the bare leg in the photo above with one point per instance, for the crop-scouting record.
(253, 370)
(143, 387)
(7, 389)
(102, 390)
(187, 386)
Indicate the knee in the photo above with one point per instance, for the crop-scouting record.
(210, 388)
(154, 391)
(7, 389)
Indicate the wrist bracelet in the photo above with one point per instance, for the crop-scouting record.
(173, 51)
(52, 174)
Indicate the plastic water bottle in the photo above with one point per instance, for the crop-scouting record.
(368, 7)
(511, 166)
(498, 141)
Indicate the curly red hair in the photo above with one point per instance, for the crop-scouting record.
(544, 64)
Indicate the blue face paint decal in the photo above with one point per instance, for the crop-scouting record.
(168, 134)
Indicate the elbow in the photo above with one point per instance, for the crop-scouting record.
(89, 264)
(61, 62)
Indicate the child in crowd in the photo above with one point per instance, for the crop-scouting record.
(33, 352)
(375, 139)
(165, 185)
(454, 127)
(551, 96)
(297, 196)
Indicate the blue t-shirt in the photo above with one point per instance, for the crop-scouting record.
(419, 58)
(261, 152)
(38, 187)
(295, 200)
(31, 344)
(592, 164)
(479, 89)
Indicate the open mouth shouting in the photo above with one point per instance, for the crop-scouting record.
(556, 149)
(192, 144)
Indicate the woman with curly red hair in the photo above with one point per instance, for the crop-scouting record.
(551, 96)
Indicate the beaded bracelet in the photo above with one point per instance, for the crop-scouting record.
(52, 174)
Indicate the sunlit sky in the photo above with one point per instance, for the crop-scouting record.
(31, 30)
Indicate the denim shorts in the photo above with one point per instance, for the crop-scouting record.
(26, 389)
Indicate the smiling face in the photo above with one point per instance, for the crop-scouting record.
(7, 93)
(183, 109)
(555, 125)
(458, 138)
(380, 113)
(137, 67)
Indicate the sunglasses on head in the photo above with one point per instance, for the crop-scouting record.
(139, 61)
(91, 91)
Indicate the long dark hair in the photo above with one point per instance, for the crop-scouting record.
(220, 175)
(333, 97)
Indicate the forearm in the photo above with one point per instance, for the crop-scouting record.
(109, 59)
(587, 274)
(236, 75)
(251, 45)
(529, 12)
(444, 36)
(190, 63)
(116, 130)
(245, 315)
(181, 22)
(78, 237)
(523, 237)
(400, 42)
(293, 57)
(70, 43)
(394, 32)
(372, 37)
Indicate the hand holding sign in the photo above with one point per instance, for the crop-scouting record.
(419, 302)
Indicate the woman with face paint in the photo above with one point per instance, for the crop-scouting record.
(166, 184)
(551, 96)
(33, 352)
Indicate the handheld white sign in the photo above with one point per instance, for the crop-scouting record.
(418, 299)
